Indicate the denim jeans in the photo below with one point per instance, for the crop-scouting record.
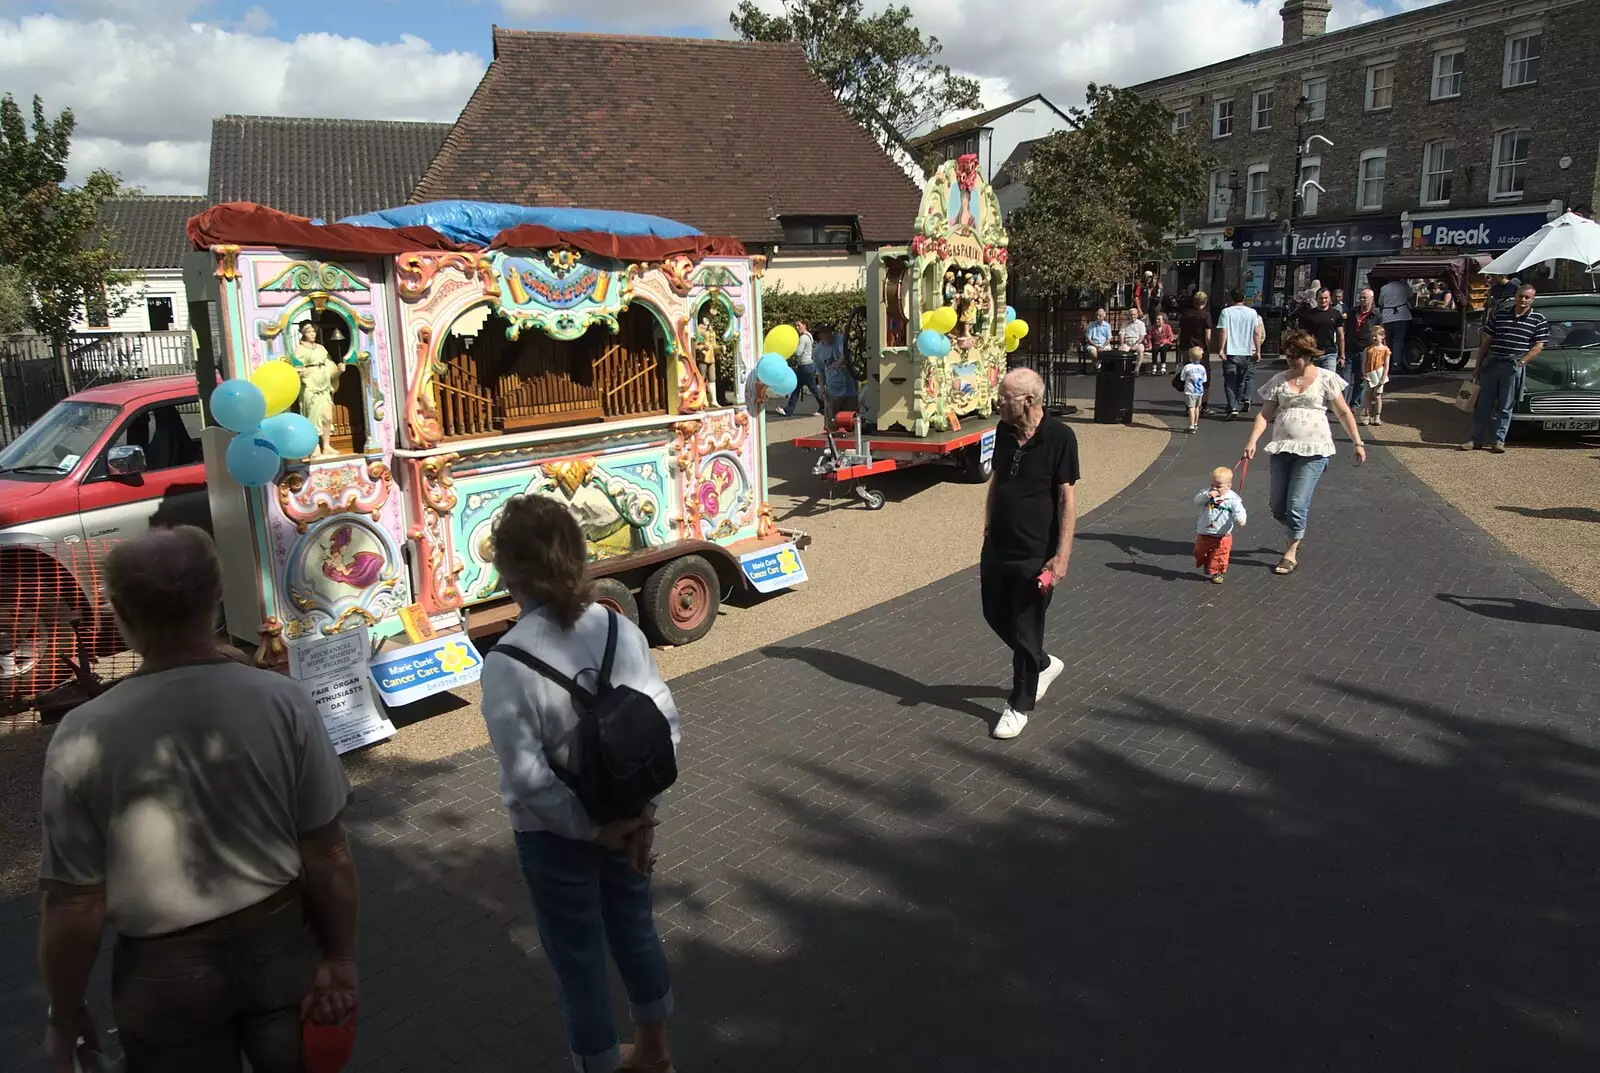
(1329, 363)
(1395, 333)
(586, 899)
(1498, 391)
(1238, 376)
(1294, 481)
(1356, 393)
(805, 376)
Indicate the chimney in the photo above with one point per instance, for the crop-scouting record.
(1303, 19)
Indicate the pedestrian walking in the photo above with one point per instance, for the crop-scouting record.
(195, 807)
(1220, 510)
(1513, 337)
(1359, 326)
(1162, 344)
(1326, 325)
(1029, 521)
(1394, 313)
(1338, 299)
(805, 371)
(1241, 332)
(1375, 371)
(1194, 337)
(1296, 404)
(839, 383)
(590, 882)
(1193, 377)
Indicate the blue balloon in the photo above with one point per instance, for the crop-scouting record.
(932, 344)
(1011, 314)
(253, 459)
(238, 405)
(293, 435)
(773, 371)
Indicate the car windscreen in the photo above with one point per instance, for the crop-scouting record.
(53, 444)
(1575, 333)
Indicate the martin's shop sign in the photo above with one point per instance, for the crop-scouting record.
(1364, 237)
(1475, 232)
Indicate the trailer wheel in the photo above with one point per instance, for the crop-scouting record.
(1454, 359)
(680, 601)
(974, 467)
(870, 499)
(609, 592)
(38, 638)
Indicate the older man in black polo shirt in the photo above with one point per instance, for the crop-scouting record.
(1027, 537)
(1513, 336)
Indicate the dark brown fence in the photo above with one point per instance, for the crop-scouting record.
(30, 373)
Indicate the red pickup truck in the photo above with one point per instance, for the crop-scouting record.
(99, 467)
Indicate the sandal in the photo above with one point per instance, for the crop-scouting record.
(1286, 566)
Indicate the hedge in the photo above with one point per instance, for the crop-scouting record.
(845, 308)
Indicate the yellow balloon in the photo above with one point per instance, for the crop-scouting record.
(928, 321)
(782, 341)
(279, 383)
(1017, 329)
(1012, 342)
(943, 320)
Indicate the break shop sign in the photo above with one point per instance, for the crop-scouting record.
(437, 665)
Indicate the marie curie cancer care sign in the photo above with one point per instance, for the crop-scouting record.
(775, 568)
(421, 670)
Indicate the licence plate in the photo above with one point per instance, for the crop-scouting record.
(1573, 424)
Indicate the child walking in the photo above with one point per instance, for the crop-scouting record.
(1375, 370)
(1193, 376)
(1220, 510)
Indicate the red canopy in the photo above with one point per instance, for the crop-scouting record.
(244, 223)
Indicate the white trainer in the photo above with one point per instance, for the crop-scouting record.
(1010, 724)
(1052, 670)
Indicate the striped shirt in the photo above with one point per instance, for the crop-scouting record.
(1514, 336)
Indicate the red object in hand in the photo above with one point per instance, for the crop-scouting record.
(1047, 580)
(327, 1048)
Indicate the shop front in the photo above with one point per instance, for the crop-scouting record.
(1196, 262)
(1486, 231)
(1338, 254)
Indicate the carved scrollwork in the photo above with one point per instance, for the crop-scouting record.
(308, 496)
(227, 262)
(415, 273)
(437, 485)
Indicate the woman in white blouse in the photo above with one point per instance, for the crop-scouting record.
(1296, 402)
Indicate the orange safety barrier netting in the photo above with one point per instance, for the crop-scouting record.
(58, 640)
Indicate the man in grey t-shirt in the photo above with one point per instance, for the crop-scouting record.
(195, 806)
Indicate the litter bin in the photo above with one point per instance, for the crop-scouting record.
(1113, 388)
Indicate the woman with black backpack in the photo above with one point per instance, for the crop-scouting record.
(586, 731)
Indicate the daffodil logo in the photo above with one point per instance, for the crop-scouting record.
(788, 561)
(455, 657)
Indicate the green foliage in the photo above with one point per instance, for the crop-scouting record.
(1104, 194)
(51, 236)
(880, 67)
(13, 300)
(845, 309)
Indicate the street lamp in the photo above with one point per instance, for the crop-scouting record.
(1302, 145)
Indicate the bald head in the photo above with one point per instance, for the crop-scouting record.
(165, 586)
(1022, 382)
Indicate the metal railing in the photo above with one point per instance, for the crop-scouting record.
(31, 377)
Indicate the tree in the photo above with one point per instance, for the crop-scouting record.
(880, 67)
(52, 237)
(1107, 192)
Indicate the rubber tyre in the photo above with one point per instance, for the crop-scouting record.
(870, 499)
(609, 592)
(1454, 359)
(974, 471)
(1415, 356)
(680, 601)
(43, 637)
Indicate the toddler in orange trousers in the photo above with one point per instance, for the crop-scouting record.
(1220, 510)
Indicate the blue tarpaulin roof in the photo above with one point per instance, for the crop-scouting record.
(478, 222)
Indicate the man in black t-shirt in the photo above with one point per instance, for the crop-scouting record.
(1029, 522)
(1327, 324)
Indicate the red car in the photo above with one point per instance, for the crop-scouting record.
(99, 467)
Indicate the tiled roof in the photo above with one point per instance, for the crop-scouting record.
(148, 231)
(979, 121)
(723, 135)
(322, 168)
(1011, 170)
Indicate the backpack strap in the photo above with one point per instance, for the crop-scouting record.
(604, 681)
(582, 697)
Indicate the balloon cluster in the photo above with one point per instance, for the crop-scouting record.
(934, 339)
(264, 433)
(773, 369)
(1016, 330)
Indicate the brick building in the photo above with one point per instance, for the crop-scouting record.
(1461, 126)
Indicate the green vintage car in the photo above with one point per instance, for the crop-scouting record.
(1562, 388)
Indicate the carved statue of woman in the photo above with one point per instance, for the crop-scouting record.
(319, 374)
(705, 350)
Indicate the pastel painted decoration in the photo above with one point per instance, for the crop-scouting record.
(941, 320)
(238, 405)
(1017, 329)
(774, 373)
(252, 459)
(932, 344)
(291, 434)
(1011, 314)
(279, 384)
(782, 341)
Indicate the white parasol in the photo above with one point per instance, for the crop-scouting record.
(1569, 237)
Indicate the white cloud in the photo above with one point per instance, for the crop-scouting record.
(145, 101)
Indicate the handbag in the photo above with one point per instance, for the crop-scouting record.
(1467, 397)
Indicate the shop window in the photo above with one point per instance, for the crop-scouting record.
(1255, 201)
(160, 313)
(1449, 70)
(1222, 118)
(1369, 178)
(1522, 59)
(1438, 164)
(1380, 87)
(1509, 175)
(491, 384)
(1315, 92)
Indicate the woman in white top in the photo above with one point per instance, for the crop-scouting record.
(590, 884)
(1296, 403)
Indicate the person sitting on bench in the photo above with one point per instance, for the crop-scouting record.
(1096, 336)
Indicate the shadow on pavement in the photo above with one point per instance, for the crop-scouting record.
(1525, 611)
(908, 691)
(1568, 514)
